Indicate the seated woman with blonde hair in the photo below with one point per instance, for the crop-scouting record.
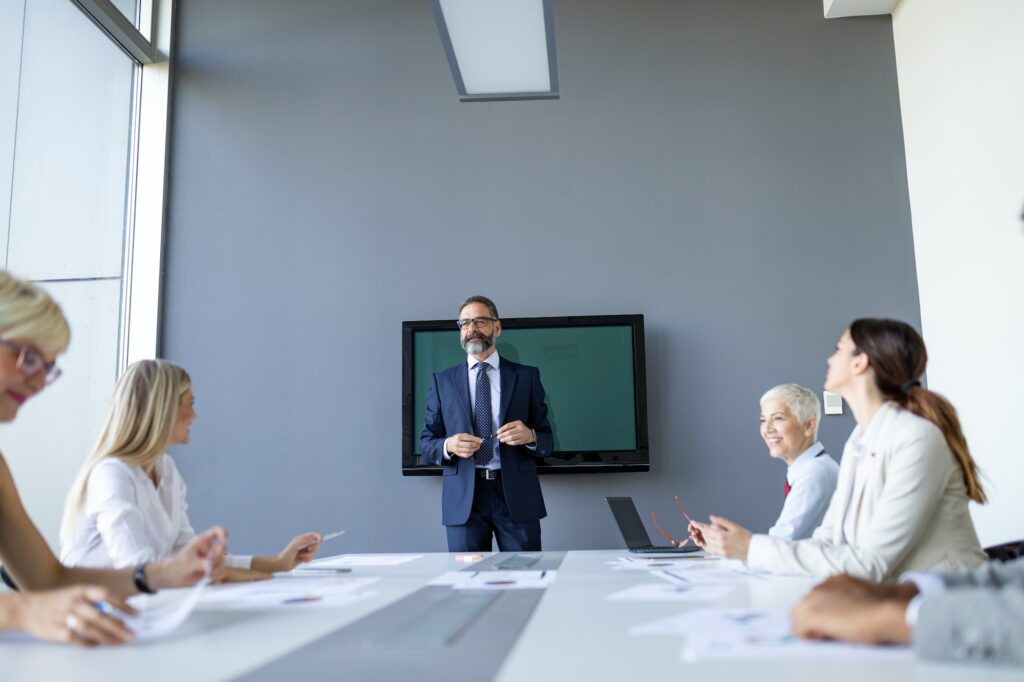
(905, 480)
(56, 602)
(127, 504)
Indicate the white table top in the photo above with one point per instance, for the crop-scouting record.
(574, 634)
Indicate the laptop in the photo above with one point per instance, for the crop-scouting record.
(633, 531)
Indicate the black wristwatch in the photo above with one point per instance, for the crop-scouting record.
(139, 578)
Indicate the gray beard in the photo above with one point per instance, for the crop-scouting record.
(476, 346)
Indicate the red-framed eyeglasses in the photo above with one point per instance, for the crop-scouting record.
(675, 543)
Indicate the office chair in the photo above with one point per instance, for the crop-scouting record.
(1008, 551)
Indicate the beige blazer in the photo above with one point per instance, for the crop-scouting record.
(910, 516)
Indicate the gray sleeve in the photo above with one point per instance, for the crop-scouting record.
(972, 624)
(992, 574)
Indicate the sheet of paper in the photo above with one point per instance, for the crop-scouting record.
(496, 580)
(361, 560)
(711, 576)
(631, 563)
(160, 617)
(754, 633)
(665, 592)
(328, 591)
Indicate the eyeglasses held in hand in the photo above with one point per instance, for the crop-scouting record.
(31, 362)
(675, 543)
(475, 322)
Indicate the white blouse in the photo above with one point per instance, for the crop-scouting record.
(125, 520)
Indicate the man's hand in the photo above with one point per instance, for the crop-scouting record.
(516, 433)
(199, 558)
(463, 445)
(72, 614)
(723, 537)
(842, 615)
(856, 587)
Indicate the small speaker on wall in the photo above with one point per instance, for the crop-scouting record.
(833, 402)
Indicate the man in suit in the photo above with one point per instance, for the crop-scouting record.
(486, 424)
(975, 615)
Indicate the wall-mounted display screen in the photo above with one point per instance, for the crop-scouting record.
(592, 369)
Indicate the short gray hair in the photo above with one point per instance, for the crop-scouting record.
(802, 402)
(483, 300)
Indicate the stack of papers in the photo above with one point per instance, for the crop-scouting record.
(750, 633)
(160, 616)
(496, 580)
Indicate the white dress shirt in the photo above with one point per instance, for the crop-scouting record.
(125, 520)
(812, 479)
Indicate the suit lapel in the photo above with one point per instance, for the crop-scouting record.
(845, 488)
(508, 384)
(462, 391)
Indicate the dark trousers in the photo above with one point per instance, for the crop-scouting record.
(488, 516)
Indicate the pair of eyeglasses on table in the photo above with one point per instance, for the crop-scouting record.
(675, 543)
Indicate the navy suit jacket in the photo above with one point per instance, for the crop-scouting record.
(449, 412)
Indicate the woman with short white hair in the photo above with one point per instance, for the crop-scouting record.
(790, 415)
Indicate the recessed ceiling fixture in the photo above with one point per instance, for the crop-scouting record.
(499, 49)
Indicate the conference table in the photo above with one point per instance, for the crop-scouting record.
(400, 627)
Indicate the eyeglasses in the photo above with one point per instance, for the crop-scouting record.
(30, 362)
(675, 543)
(475, 322)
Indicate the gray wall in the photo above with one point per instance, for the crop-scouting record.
(733, 170)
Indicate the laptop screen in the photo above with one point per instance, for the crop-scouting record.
(630, 525)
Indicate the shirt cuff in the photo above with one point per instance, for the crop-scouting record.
(238, 561)
(445, 457)
(926, 583)
(913, 608)
(757, 551)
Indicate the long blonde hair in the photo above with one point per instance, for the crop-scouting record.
(27, 313)
(138, 427)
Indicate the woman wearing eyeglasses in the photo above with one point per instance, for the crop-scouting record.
(55, 602)
(127, 504)
(905, 479)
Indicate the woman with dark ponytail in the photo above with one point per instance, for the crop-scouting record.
(897, 353)
(905, 481)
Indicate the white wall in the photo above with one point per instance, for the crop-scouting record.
(961, 76)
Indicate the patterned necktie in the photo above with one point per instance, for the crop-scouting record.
(482, 426)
